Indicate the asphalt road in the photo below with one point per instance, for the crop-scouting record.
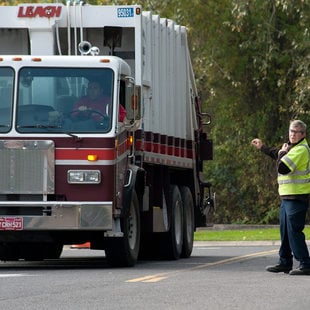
(217, 276)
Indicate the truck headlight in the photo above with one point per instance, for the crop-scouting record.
(84, 177)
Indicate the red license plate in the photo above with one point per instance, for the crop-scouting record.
(11, 223)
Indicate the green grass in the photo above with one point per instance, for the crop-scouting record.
(265, 234)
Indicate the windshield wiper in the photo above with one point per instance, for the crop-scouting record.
(39, 126)
(72, 135)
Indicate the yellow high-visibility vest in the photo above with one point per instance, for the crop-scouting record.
(297, 182)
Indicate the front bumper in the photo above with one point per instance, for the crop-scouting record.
(58, 215)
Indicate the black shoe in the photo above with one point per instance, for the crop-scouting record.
(279, 268)
(300, 271)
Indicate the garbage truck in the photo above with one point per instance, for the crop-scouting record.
(125, 175)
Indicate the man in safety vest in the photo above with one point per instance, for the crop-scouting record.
(294, 189)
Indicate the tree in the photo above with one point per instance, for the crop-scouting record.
(267, 63)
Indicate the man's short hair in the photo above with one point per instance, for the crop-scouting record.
(300, 124)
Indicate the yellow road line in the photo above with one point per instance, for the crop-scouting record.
(144, 279)
(161, 276)
(235, 259)
(157, 279)
(154, 278)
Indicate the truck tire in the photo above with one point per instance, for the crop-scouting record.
(170, 243)
(188, 221)
(123, 252)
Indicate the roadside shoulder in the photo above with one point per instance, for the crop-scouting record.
(235, 243)
(239, 243)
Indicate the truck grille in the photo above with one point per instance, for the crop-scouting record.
(27, 167)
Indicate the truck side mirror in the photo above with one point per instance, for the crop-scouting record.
(133, 100)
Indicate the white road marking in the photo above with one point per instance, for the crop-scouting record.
(13, 275)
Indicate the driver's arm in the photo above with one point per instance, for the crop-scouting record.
(122, 113)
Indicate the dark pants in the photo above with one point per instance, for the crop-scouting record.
(292, 223)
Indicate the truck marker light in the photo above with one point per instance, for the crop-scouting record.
(36, 59)
(1, 59)
(134, 102)
(130, 140)
(17, 59)
(105, 60)
(138, 11)
(92, 157)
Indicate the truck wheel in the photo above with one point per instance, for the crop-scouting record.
(170, 243)
(188, 222)
(123, 252)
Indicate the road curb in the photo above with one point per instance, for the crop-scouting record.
(235, 243)
(236, 227)
(239, 243)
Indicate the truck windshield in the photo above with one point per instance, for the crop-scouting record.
(6, 98)
(63, 100)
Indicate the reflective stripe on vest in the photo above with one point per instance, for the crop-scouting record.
(296, 182)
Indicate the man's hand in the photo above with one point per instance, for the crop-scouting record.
(285, 148)
(257, 143)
